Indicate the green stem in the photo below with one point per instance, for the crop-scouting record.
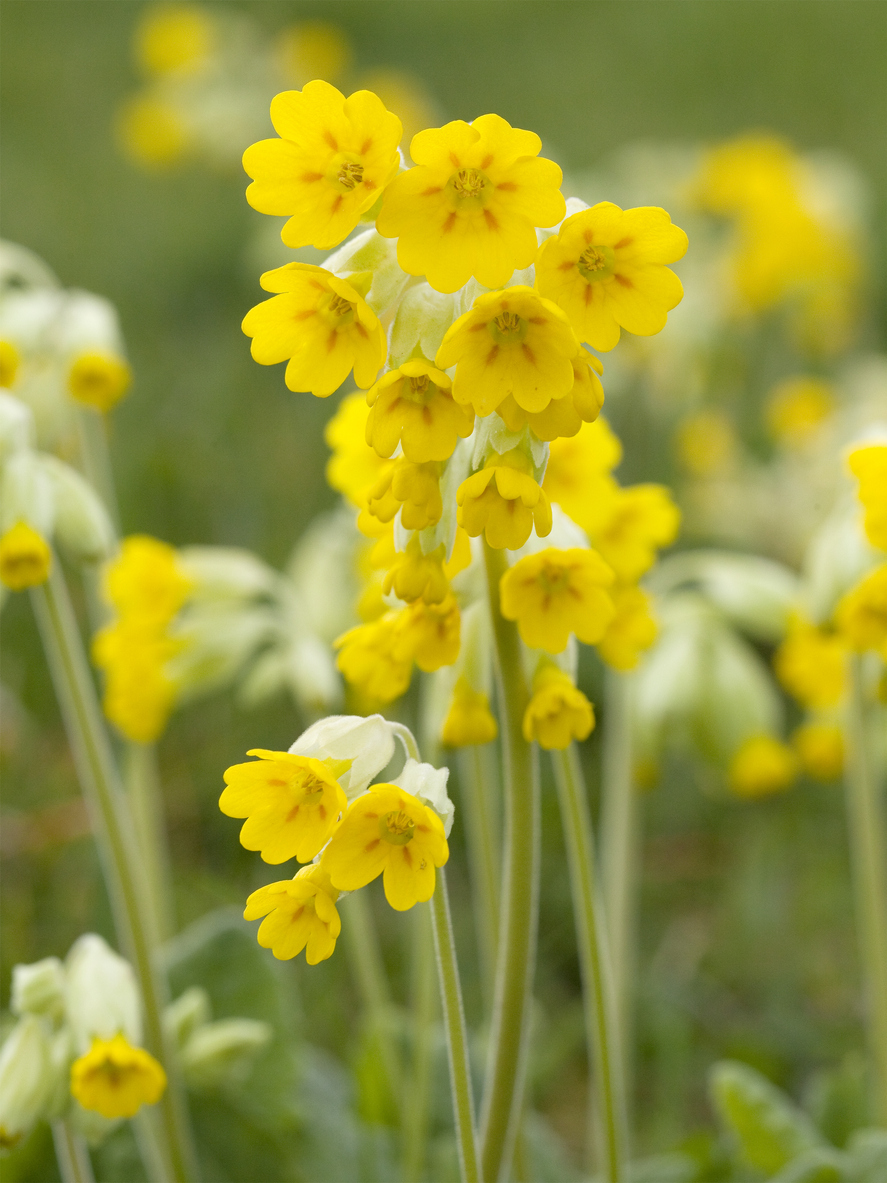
(479, 803)
(95, 459)
(865, 816)
(516, 956)
(146, 806)
(72, 1154)
(424, 1007)
(591, 941)
(457, 1035)
(620, 817)
(113, 829)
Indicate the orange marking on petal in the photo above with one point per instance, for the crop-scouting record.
(487, 161)
(624, 280)
(303, 315)
(309, 177)
(528, 354)
(291, 816)
(372, 845)
(588, 293)
(490, 219)
(358, 328)
(478, 328)
(365, 146)
(568, 266)
(369, 185)
(430, 191)
(454, 160)
(449, 224)
(627, 241)
(538, 320)
(331, 341)
(588, 235)
(336, 203)
(493, 354)
(507, 186)
(273, 780)
(330, 139)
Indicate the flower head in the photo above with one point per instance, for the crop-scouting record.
(332, 161)
(606, 268)
(513, 343)
(299, 913)
(388, 832)
(558, 711)
(469, 719)
(820, 748)
(292, 804)
(321, 324)
(869, 465)
(139, 693)
(428, 634)
(25, 557)
(413, 406)
(578, 473)
(504, 502)
(554, 593)
(116, 1079)
(99, 379)
(563, 416)
(145, 580)
(472, 203)
(762, 766)
(811, 664)
(631, 631)
(417, 576)
(861, 614)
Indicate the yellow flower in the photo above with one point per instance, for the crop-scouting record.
(332, 161)
(174, 39)
(321, 324)
(811, 664)
(861, 614)
(9, 364)
(413, 406)
(510, 343)
(116, 1079)
(820, 748)
(415, 576)
(314, 49)
(25, 557)
(292, 804)
(504, 502)
(354, 466)
(555, 593)
(415, 488)
(388, 832)
(606, 268)
(139, 694)
(367, 659)
(631, 631)
(869, 465)
(558, 712)
(705, 443)
(577, 477)
(152, 132)
(469, 719)
(761, 766)
(563, 416)
(145, 580)
(749, 172)
(472, 203)
(99, 380)
(640, 519)
(428, 634)
(299, 913)
(797, 407)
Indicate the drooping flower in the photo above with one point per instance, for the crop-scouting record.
(469, 719)
(25, 557)
(413, 406)
(320, 324)
(861, 614)
(139, 693)
(299, 913)
(145, 580)
(415, 576)
(292, 804)
(811, 664)
(554, 593)
(331, 163)
(367, 659)
(504, 502)
(428, 634)
(820, 748)
(116, 1079)
(761, 766)
(869, 465)
(563, 416)
(606, 269)
(472, 203)
(514, 343)
(354, 466)
(388, 832)
(578, 474)
(99, 379)
(558, 711)
(412, 488)
(631, 631)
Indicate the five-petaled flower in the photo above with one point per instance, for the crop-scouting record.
(504, 502)
(554, 593)
(558, 711)
(299, 913)
(413, 406)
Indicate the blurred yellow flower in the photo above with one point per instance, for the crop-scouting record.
(152, 133)
(471, 205)
(761, 766)
(861, 614)
(606, 268)
(321, 324)
(469, 719)
(116, 1079)
(631, 631)
(869, 465)
(413, 406)
(332, 161)
(554, 593)
(391, 833)
(174, 39)
(25, 557)
(504, 502)
(428, 634)
(354, 466)
(98, 379)
(403, 93)
(797, 407)
(314, 49)
(300, 913)
(820, 748)
(705, 443)
(9, 364)
(368, 661)
(577, 477)
(639, 519)
(811, 664)
(145, 581)
(414, 575)
(558, 711)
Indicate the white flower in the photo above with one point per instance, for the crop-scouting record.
(429, 784)
(39, 989)
(367, 742)
(26, 1079)
(102, 997)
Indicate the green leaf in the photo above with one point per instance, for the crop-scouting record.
(867, 1151)
(820, 1165)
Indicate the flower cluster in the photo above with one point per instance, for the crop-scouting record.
(316, 803)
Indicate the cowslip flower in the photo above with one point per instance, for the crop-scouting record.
(820, 748)
(469, 719)
(472, 203)
(429, 634)
(99, 380)
(631, 631)
(320, 325)
(367, 659)
(332, 161)
(705, 443)
(139, 693)
(145, 580)
(554, 593)
(639, 520)
(116, 1079)
(391, 833)
(869, 465)
(797, 407)
(415, 576)
(514, 343)
(761, 766)
(174, 39)
(606, 269)
(558, 711)
(299, 914)
(292, 803)
(504, 502)
(413, 406)
(578, 474)
(10, 360)
(563, 416)
(412, 488)
(861, 614)
(811, 664)
(25, 557)
(354, 466)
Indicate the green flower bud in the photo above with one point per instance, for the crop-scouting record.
(188, 1012)
(221, 1053)
(375, 257)
(82, 524)
(26, 1079)
(39, 989)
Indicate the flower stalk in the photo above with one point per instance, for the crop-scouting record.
(478, 800)
(424, 1013)
(72, 1154)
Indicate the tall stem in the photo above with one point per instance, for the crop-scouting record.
(479, 801)
(146, 806)
(72, 1154)
(113, 829)
(515, 962)
(424, 1007)
(865, 817)
(457, 1035)
(620, 818)
(591, 940)
(95, 459)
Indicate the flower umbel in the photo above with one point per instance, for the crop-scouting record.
(299, 913)
(762, 766)
(116, 1079)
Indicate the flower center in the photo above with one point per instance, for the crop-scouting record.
(508, 328)
(421, 389)
(554, 579)
(346, 173)
(596, 263)
(469, 186)
(397, 827)
(336, 311)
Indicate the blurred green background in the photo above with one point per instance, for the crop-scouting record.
(747, 948)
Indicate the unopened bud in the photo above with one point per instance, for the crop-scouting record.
(82, 524)
(221, 1053)
(39, 989)
(429, 784)
(102, 997)
(367, 742)
(26, 1079)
